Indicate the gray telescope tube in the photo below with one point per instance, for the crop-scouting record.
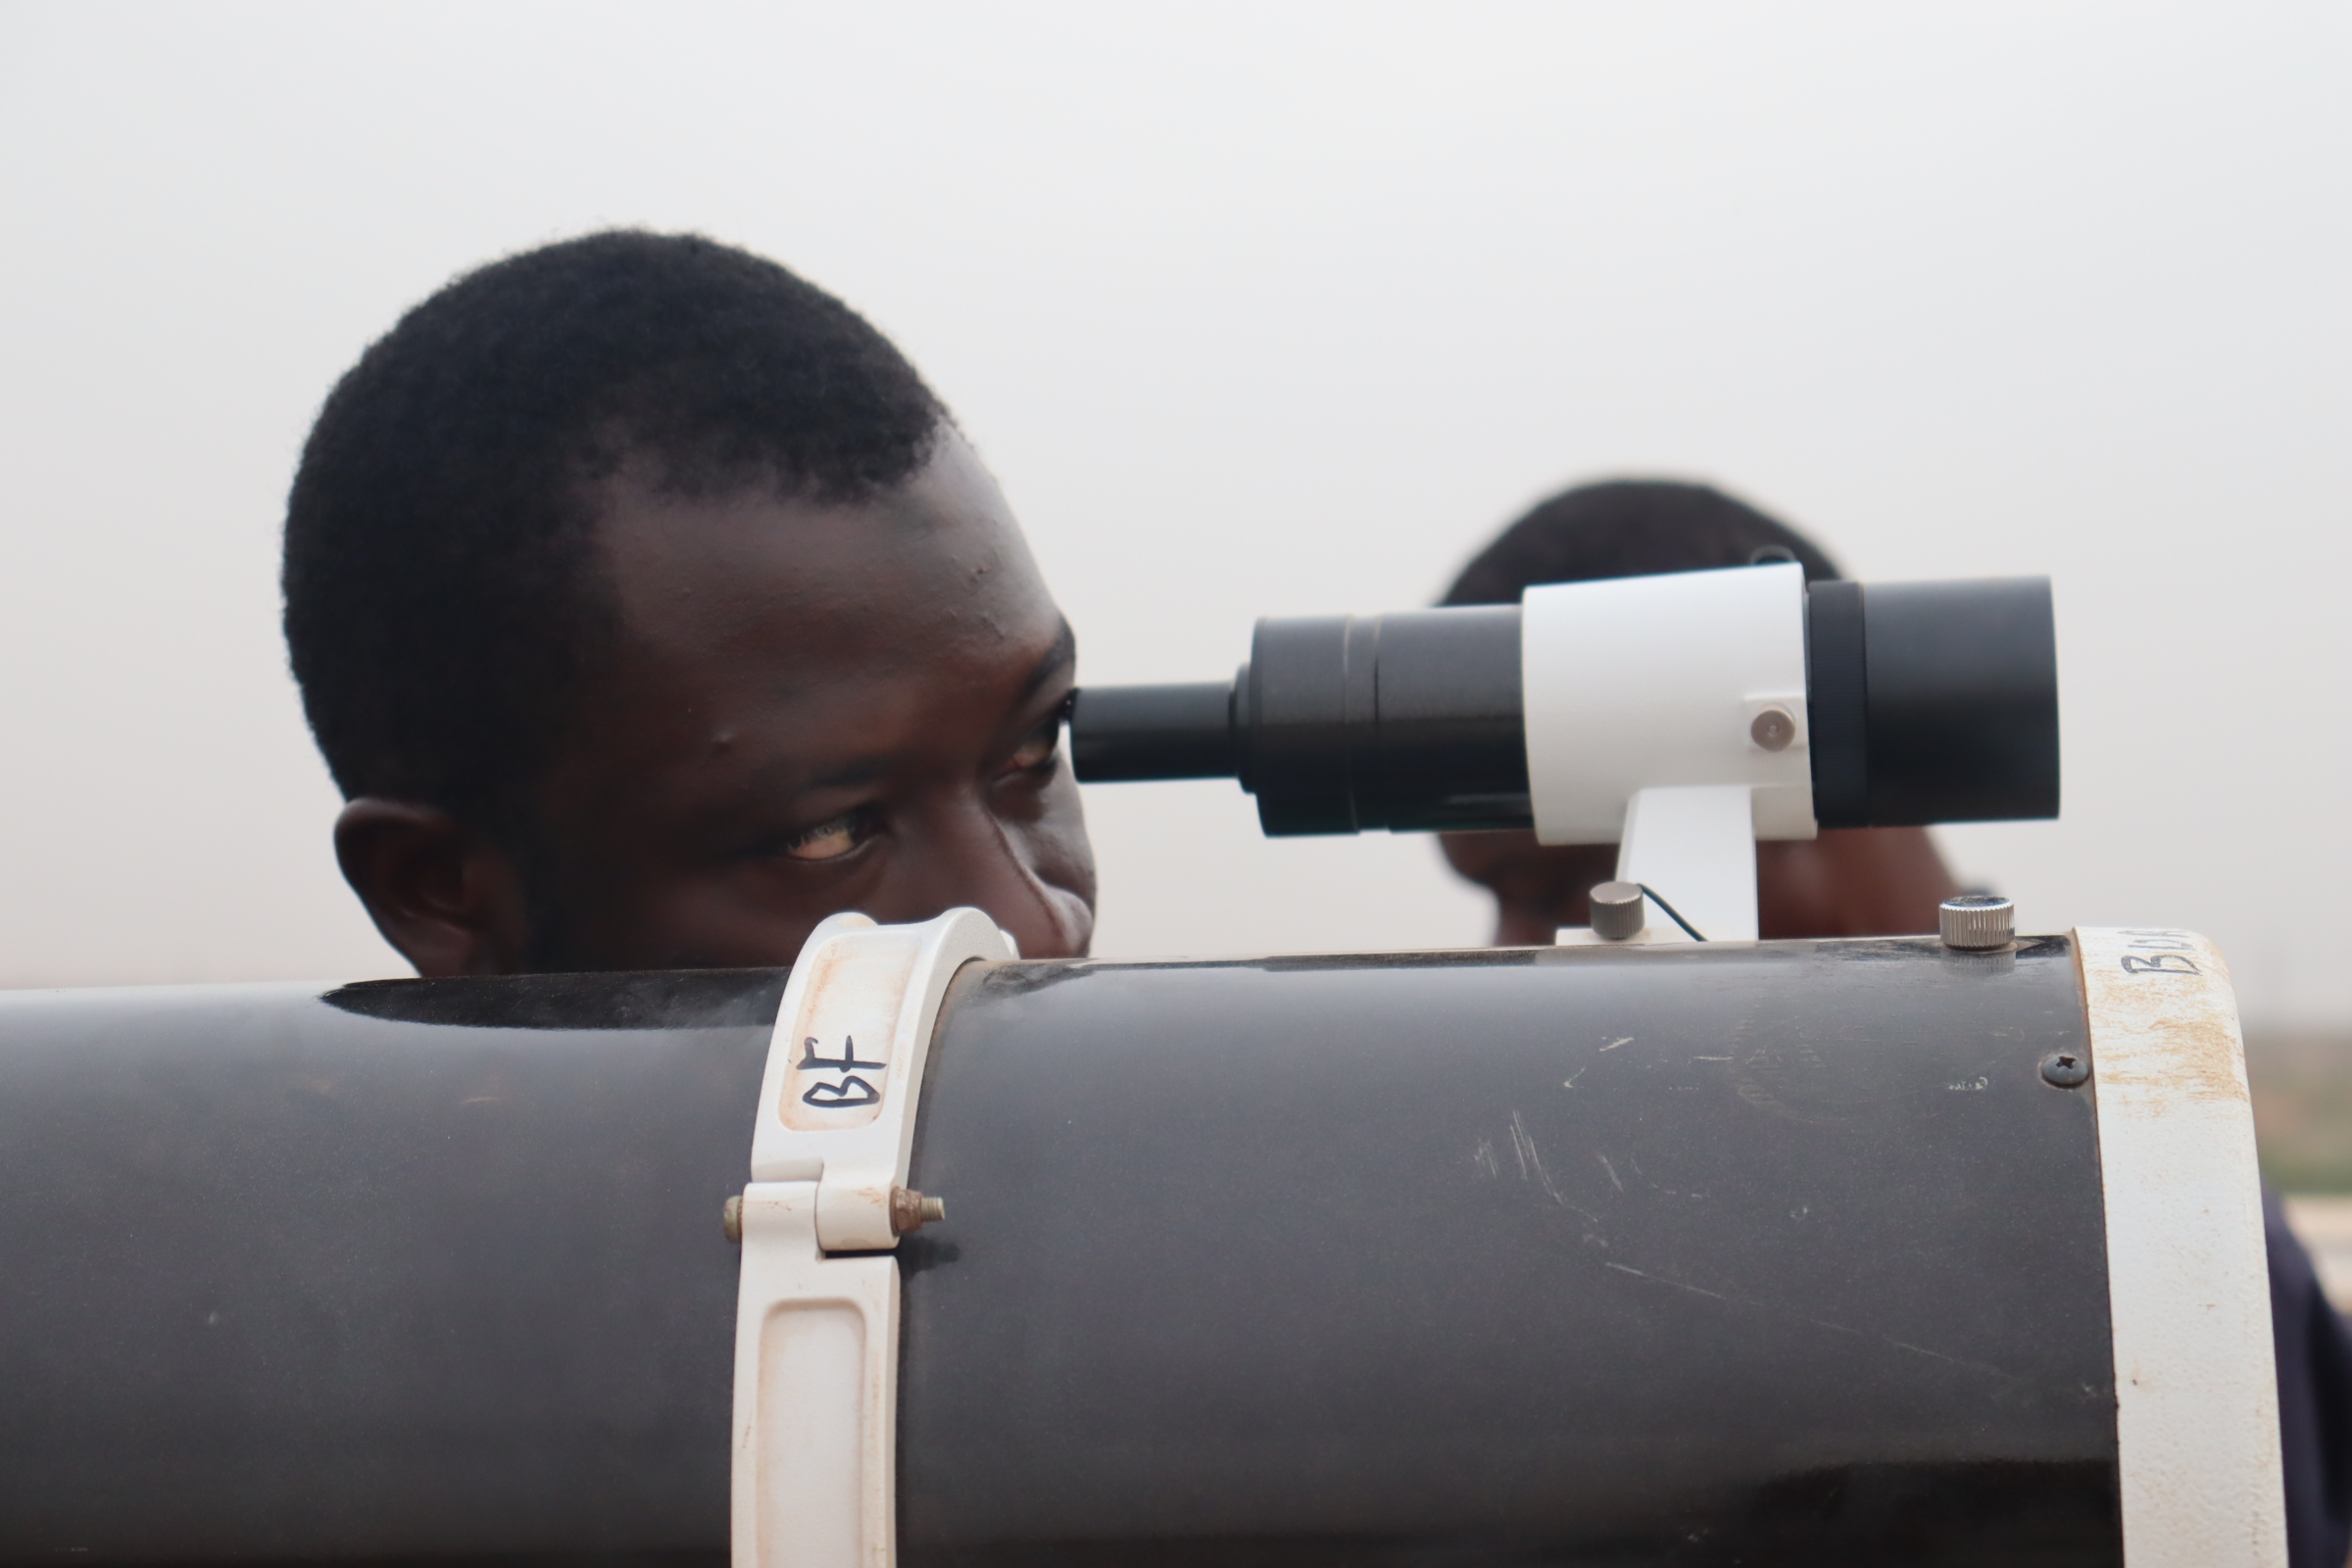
(1932, 702)
(1762, 1254)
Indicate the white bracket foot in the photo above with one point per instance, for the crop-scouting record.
(1693, 847)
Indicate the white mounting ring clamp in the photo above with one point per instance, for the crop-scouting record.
(817, 1337)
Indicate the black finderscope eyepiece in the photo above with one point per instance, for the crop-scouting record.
(1933, 702)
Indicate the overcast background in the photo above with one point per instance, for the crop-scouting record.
(1254, 309)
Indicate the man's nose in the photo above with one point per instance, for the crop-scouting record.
(967, 854)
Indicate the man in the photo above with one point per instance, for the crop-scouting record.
(1855, 882)
(1850, 882)
(648, 608)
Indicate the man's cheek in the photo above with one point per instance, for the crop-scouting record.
(1065, 855)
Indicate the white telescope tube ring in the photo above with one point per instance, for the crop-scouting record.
(816, 1338)
(2188, 1283)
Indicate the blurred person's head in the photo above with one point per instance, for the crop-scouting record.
(1846, 882)
(647, 608)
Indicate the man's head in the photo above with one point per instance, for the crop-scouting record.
(1851, 882)
(648, 608)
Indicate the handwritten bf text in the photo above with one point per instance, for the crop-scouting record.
(849, 1090)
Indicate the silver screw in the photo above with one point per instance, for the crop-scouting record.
(1977, 922)
(1617, 912)
(1772, 729)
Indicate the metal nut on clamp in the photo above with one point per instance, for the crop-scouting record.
(911, 1211)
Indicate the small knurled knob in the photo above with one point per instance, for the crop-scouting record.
(1617, 912)
(1977, 922)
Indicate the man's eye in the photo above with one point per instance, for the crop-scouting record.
(1038, 750)
(830, 841)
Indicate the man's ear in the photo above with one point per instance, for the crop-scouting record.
(442, 892)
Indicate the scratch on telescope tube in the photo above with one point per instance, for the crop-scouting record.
(1524, 1147)
(1815, 1322)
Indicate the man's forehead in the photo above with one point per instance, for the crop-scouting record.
(935, 570)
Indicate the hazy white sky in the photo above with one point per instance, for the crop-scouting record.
(1254, 309)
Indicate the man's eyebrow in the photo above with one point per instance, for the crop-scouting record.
(1058, 658)
(859, 771)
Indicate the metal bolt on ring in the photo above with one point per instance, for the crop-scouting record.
(911, 1211)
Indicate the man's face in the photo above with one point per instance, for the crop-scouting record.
(812, 708)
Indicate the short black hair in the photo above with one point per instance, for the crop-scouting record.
(439, 606)
(1628, 529)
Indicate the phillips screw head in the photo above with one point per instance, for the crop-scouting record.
(2064, 1069)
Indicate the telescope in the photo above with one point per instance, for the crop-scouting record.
(1634, 1249)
